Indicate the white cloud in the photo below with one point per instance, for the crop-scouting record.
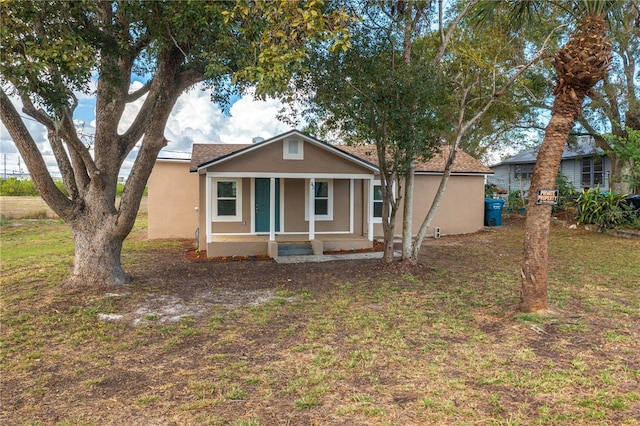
(11, 160)
(194, 119)
(251, 118)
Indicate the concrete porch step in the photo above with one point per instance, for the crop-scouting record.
(294, 249)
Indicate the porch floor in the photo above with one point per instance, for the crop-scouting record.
(331, 257)
(289, 238)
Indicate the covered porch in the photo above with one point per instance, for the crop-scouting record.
(270, 213)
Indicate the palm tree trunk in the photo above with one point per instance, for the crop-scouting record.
(533, 296)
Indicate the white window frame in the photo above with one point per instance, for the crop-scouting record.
(323, 217)
(393, 194)
(214, 201)
(373, 201)
(286, 152)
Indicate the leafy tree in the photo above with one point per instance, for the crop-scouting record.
(375, 94)
(399, 87)
(53, 49)
(627, 149)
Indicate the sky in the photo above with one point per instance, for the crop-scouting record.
(194, 119)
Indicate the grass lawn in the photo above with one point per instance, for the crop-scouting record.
(254, 343)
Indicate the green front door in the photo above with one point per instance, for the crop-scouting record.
(262, 199)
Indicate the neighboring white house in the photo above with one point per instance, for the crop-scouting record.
(583, 165)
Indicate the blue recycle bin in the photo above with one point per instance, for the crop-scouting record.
(493, 211)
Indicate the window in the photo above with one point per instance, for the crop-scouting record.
(597, 171)
(227, 200)
(292, 149)
(592, 172)
(523, 171)
(377, 202)
(322, 200)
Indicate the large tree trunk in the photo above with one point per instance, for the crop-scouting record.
(97, 258)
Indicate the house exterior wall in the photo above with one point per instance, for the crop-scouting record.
(202, 211)
(172, 200)
(501, 176)
(461, 210)
(269, 159)
(572, 169)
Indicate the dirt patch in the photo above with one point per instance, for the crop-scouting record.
(161, 309)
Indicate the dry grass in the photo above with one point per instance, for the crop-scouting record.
(255, 343)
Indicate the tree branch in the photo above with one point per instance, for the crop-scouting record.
(37, 114)
(33, 158)
(64, 165)
(66, 128)
(134, 96)
(444, 40)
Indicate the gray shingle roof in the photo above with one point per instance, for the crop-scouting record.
(584, 149)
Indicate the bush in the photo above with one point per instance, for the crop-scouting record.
(25, 187)
(605, 209)
(17, 187)
(566, 190)
(515, 201)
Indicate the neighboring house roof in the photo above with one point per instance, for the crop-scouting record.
(206, 154)
(530, 155)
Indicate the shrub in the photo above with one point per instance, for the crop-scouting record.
(515, 200)
(17, 187)
(605, 209)
(566, 190)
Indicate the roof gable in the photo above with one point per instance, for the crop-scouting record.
(205, 155)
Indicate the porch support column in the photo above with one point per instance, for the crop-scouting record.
(272, 209)
(370, 209)
(207, 211)
(312, 209)
(351, 206)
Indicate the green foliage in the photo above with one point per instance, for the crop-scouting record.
(605, 209)
(566, 190)
(17, 187)
(490, 189)
(627, 149)
(47, 50)
(516, 201)
(25, 187)
(369, 94)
